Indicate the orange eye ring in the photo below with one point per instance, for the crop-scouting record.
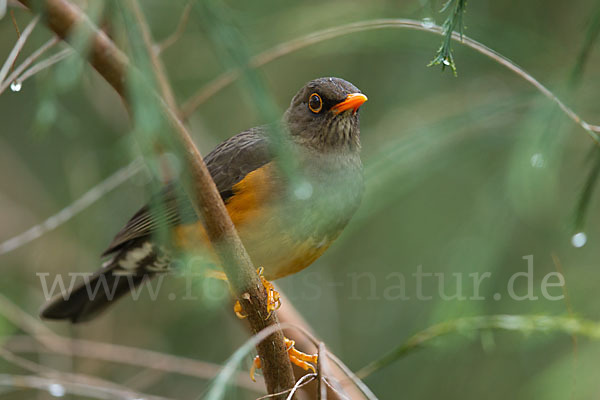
(315, 104)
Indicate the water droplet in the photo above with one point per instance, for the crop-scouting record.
(303, 190)
(16, 86)
(428, 23)
(446, 61)
(56, 390)
(579, 239)
(537, 160)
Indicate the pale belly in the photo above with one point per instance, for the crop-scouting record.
(284, 251)
(275, 244)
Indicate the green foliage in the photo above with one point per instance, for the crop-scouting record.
(453, 22)
(525, 324)
(585, 196)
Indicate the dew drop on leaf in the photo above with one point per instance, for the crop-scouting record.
(428, 23)
(16, 86)
(56, 390)
(579, 239)
(537, 160)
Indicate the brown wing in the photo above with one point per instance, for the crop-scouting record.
(228, 164)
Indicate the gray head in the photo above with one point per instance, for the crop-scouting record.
(324, 115)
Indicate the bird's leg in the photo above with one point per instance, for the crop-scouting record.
(273, 298)
(303, 360)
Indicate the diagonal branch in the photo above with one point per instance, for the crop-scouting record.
(17, 49)
(157, 65)
(62, 17)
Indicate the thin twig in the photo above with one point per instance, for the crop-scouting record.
(157, 66)
(46, 63)
(322, 370)
(14, 21)
(51, 373)
(109, 352)
(75, 388)
(126, 355)
(24, 363)
(171, 39)
(88, 198)
(336, 389)
(355, 379)
(301, 382)
(298, 385)
(15, 4)
(14, 75)
(12, 56)
(19, 318)
(280, 50)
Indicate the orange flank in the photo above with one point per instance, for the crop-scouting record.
(252, 195)
(255, 212)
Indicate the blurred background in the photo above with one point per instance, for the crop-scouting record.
(465, 175)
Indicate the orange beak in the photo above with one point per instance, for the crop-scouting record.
(353, 100)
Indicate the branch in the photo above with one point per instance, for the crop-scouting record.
(64, 215)
(137, 357)
(40, 339)
(157, 65)
(171, 39)
(17, 49)
(61, 16)
(68, 386)
(51, 373)
(293, 45)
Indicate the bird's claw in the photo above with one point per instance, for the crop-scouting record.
(273, 298)
(237, 309)
(303, 360)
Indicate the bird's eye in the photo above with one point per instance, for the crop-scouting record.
(315, 103)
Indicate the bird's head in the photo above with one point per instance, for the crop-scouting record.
(324, 115)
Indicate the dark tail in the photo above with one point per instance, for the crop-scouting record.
(93, 296)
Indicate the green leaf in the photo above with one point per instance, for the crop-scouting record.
(453, 22)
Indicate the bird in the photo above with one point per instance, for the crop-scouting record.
(289, 188)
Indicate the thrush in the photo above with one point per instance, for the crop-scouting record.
(286, 220)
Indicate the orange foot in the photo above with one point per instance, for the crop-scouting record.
(303, 360)
(273, 299)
